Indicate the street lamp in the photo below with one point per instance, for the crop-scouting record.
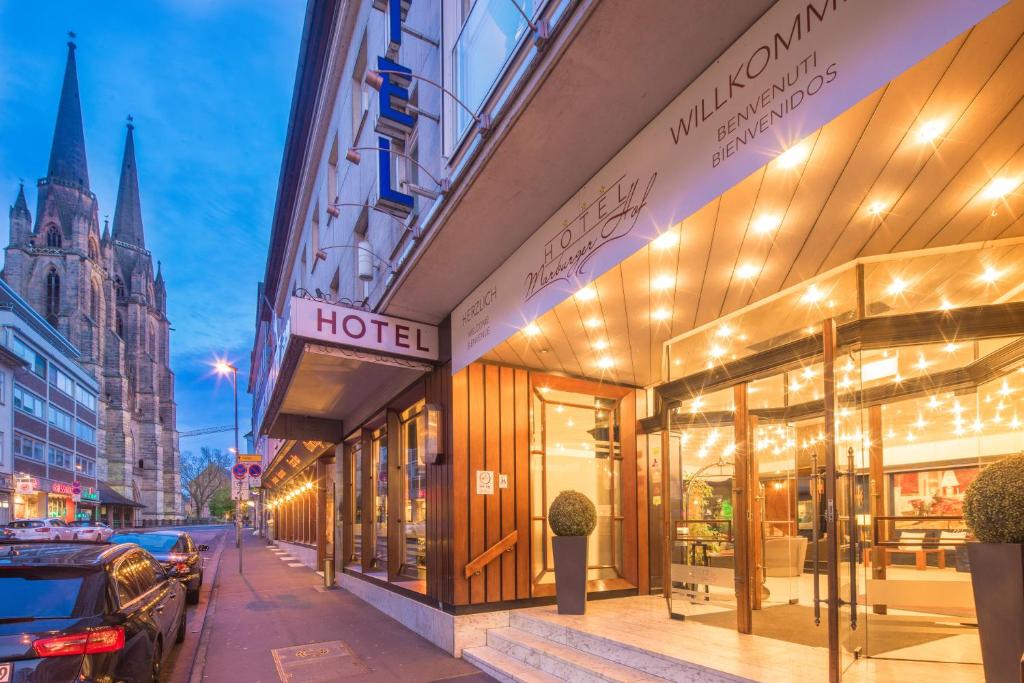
(224, 368)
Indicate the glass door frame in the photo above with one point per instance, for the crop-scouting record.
(863, 333)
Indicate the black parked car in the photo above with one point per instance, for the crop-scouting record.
(85, 612)
(175, 550)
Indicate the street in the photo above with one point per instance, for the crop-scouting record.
(243, 627)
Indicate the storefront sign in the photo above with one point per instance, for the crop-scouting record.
(802, 64)
(26, 485)
(62, 488)
(90, 494)
(393, 117)
(362, 330)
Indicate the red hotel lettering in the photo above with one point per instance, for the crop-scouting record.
(380, 324)
(362, 326)
(419, 341)
(402, 336)
(320, 320)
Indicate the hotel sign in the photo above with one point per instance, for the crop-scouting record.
(801, 65)
(363, 330)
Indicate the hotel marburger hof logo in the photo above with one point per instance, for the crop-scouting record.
(609, 216)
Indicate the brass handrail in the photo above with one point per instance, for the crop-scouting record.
(476, 565)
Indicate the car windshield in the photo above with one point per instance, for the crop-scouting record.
(25, 524)
(40, 593)
(154, 543)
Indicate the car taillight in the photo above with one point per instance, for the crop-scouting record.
(107, 639)
(182, 568)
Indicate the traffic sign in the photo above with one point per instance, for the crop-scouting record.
(239, 489)
(250, 457)
(255, 473)
(239, 471)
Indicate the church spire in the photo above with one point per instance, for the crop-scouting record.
(67, 155)
(20, 204)
(128, 210)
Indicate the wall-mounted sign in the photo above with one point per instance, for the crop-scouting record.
(801, 65)
(62, 488)
(502, 481)
(484, 482)
(90, 494)
(354, 328)
(393, 117)
(26, 485)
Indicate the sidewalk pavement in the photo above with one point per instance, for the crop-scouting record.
(274, 607)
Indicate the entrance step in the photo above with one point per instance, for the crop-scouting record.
(562, 661)
(501, 667)
(647, 663)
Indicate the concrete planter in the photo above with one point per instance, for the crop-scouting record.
(997, 578)
(570, 573)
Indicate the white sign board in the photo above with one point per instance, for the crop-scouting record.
(358, 329)
(803, 63)
(502, 481)
(484, 482)
(239, 489)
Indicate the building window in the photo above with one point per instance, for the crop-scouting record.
(85, 432)
(94, 301)
(360, 92)
(29, 403)
(61, 458)
(27, 448)
(152, 341)
(36, 363)
(53, 237)
(86, 398)
(119, 288)
(490, 32)
(60, 419)
(119, 325)
(52, 296)
(94, 251)
(3, 389)
(85, 466)
(62, 381)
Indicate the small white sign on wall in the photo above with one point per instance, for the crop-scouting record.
(484, 482)
(502, 481)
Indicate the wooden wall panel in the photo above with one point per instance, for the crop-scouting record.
(477, 519)
(440, 529)
(369, 513)
(627, 431)
(348, 507)
(395, 496)
(521, 483)
(507, 421)
(460, 484)
(492, 463)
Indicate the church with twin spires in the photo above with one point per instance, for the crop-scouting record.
(98, 288)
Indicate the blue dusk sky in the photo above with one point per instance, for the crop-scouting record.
(209, 85)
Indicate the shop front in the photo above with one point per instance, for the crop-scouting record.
(300, 504)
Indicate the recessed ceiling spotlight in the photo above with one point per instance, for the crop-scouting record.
(793, 156)
(747, 271)
(990, 275)
(601, 344)
(724, 331)
(605, 362)
(587, 293)
(531, 330)
(666, 239)
(930, 130)
(897, 286)
(663, 282)
(767, 223)
(716, 351)
(592, 323)
(813, 295)
(661, 314)
(998, 188)
(877, 207)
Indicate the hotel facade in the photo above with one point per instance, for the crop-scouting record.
(748, 276)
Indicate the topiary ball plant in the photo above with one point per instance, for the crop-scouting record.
(994, 502)
(572, 514)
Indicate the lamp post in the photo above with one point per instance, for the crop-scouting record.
(224, 368)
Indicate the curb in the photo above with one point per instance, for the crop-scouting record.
(198, 664)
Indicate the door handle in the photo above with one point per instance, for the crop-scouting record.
(854, 532)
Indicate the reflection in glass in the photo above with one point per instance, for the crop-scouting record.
(379, 453)
(414, 564)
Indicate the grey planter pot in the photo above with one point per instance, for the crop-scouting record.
(570, 573)
(997, 578)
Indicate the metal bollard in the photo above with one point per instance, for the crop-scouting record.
(328, 572)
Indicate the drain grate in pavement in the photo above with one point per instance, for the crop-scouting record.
(317, 662)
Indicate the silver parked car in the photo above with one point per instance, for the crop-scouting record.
(41, 529)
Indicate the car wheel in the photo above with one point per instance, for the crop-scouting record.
(192, 596)
(180, 635)
(157, 663)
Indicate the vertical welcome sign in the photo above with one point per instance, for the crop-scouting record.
(801, 65)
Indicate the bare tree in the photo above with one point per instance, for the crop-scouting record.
(203, 474)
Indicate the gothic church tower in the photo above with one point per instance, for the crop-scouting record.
(100, 291)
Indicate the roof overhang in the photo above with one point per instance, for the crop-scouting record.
(336, 366)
